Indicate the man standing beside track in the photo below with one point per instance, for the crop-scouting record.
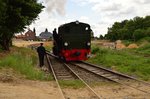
(41, 53)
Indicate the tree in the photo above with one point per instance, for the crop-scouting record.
(147, 32)
(101, 37)
(15, 15)
(133, 29)
(138, 34)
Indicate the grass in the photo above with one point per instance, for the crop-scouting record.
(127, 42)
(126, 61)
(75, 84)
(144, 40)
(1, 50)
(144, 49)
(49, 46)
(23, 61)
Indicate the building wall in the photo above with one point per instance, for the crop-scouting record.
(29, 35)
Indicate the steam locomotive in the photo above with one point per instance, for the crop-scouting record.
(73, 41)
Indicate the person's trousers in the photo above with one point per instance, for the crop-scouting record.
(41, 60)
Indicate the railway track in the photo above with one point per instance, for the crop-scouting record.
(115, 77)
(61, 71)
(110, 76)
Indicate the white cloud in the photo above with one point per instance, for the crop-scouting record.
(84, 19)
(142, 1)
(110, 11)
(48, 17)
(56, 6)
(46, 21)
(104, 13)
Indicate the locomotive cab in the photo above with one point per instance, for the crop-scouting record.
(73, 42)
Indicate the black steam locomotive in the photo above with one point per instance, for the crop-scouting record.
(73, 41)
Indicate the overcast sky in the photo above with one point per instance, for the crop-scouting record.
(100, 14)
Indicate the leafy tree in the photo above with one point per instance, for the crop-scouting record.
(138, 34)
(138, 22)
(132, 29)
(123, 34)
(15, 15)
(146, 22)
(147, 32)
(101, 37)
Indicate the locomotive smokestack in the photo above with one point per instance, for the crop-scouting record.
(56, 5)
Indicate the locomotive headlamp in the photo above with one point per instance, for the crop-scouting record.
(88, 43)
(66, 44)
(86, 28)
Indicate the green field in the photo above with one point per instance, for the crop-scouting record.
(134, 62)
(23, 61)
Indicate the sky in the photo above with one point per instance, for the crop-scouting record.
(100, 14)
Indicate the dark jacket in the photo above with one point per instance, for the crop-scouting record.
(41, 50)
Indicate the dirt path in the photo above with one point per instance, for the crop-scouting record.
(29, 90)
(14, 86)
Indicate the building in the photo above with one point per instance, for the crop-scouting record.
(29, 35)
(45, 35)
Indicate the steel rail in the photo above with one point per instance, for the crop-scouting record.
(113, 79)
(100, 97)
(94, 73)
(115, 72)
(55, 77)
(139, 82)
(104, 78)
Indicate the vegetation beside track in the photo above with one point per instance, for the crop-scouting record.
(135, 62)
(75, 84)
(23, 61)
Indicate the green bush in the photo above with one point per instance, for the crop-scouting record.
(127, 42)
